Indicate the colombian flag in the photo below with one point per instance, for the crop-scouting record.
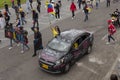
(50, 9)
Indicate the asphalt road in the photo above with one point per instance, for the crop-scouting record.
(95, 66)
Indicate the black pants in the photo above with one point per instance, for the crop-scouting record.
(73, 13)
(86, 17)
(79, 5)
(36, 22)
(108, 3)
(110, 37)
(57, 15)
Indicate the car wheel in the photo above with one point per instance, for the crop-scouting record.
(89, 50)
(67, 68)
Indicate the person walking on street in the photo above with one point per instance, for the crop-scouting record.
(16, 8)
(73, 9)
(6, 8)
(97, 3)
(10, 31)
(35, 18)
(22, 16)
(7, 18)
(12, 1)
(19, 3)
(86, 11)
(31, 1)
(57, 11)
(59, 3)
(2, 21)
(39, 5)
(79, 3)
(111, 31)
(37, 40)
(23, 39)
(108, 3)
(28, 8)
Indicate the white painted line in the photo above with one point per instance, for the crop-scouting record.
(91, 70)
(103, 38)
(94, 59)
(107, 76)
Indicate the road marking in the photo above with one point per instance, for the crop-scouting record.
(103, 38)
(91, 70)
(94, 59)
(107, 76)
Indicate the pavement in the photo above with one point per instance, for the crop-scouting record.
(96, 66)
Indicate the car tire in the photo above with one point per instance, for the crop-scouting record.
(89, 50)
(67, 68)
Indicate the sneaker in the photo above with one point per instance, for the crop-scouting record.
(22, 51)
(10, 48)
(108, 43)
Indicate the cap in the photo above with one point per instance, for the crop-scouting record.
(109, 21)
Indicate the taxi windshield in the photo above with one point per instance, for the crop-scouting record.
(59, 45)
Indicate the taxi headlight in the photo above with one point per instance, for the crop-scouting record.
(60, 61)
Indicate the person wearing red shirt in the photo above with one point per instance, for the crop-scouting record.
(111, 31)
(73, 9)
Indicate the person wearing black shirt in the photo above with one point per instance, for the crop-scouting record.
(38, 6)
(19, 3)
(37, 40)
(31, 1)
(22, 15)
(57, 11)
(86, 12)
(35, 18)
(7, 8)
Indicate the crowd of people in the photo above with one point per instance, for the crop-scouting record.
(16, 33)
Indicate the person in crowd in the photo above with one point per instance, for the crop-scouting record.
(117, 14)
(108, 3)
(6, 8)
(35, 18)
(97, 3)
(37, 40)
(19, 3)
(18, 22)
(22, 16)
(31, 1)
(59, 3)
(7, 18)
(91, 1)
(23, 39)
(13, 3)
(111, 31)
(28, 7)
(73, 9)
(86, 11)
(57, 11)
(38, 5)
(55, 31)
(113, 77)
(79, 3)
(10, 31)
(16, 8)
(83, 4)
(2, 21)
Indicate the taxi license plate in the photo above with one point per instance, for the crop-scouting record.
(45, 66)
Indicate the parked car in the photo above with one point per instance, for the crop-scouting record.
(63, 51)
